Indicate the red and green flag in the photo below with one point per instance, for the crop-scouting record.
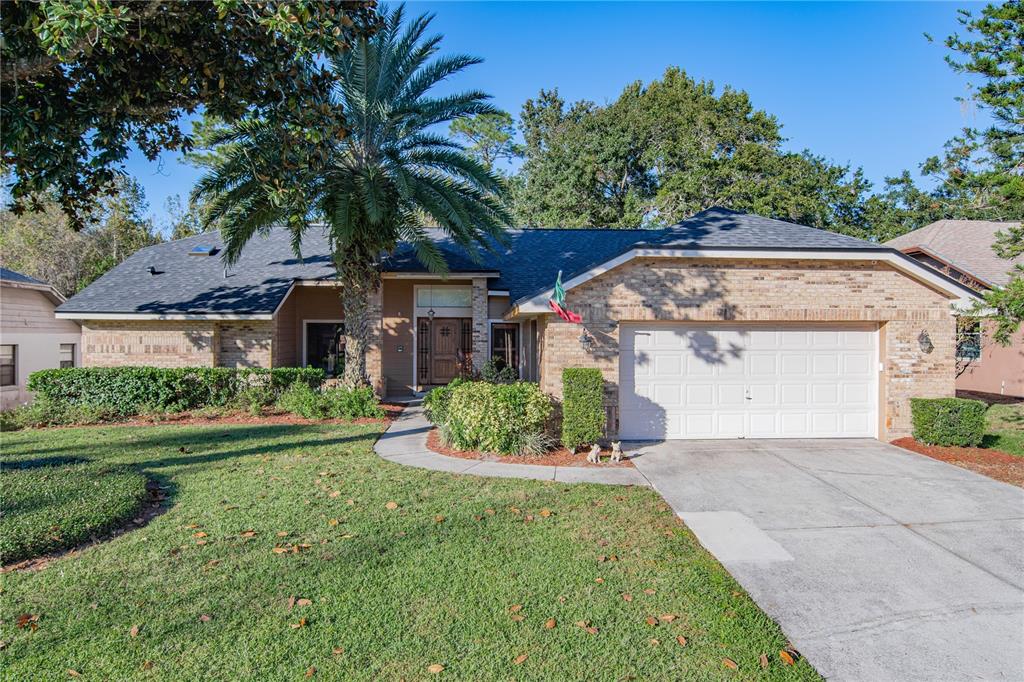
(557, 303)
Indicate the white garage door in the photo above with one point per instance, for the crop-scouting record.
(689, 381)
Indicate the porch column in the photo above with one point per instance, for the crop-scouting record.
(480, 340)
(375, 340)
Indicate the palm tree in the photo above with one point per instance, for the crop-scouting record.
(386, 180)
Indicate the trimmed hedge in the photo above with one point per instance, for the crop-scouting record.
(504, 418)
(331, 403)
(948, 421)
(583, 415)
(126, 391)
(436, 401)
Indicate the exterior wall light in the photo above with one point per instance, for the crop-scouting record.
(586, 341)
(925, 342)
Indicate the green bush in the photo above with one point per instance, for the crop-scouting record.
(47, 506)
(126, 391)
(583, 415)
(332, 403)
(495, 417)
(435, 404)
(497, 371)
(45, 412)
(948, 421)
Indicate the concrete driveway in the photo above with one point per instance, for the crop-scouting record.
(878, 563)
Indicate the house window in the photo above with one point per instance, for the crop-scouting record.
(67, 355)
(325, 347)
(444, 297)
(505, 344)
(8, 365)
(968, 340)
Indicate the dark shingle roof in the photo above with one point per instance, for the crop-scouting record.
(526, 264)
(12, 276)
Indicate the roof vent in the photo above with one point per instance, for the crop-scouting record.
(203, 250)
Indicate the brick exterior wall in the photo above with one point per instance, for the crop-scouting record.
(481, 352)
(159, 343)
(375, 343)
(246, 343)
(763, 291)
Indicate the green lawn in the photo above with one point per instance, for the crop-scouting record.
(1006, 428)
(465, 572)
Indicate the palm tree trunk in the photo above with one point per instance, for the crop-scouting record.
(359, 282)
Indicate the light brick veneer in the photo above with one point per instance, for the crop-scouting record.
(246, 344)
(177, 343)
(481, 351)
(763, 291)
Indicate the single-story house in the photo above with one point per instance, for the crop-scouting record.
(31, 337)
(724, 325)
(962, 249)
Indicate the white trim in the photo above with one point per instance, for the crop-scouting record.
(48, 289)
(304, 328)
(907, 265)
(316, 283)
(449, 276)
(498, 292)
(286, 295)
(160, 316)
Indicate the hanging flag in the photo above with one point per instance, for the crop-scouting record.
(557, 303)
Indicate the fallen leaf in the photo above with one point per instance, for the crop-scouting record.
(332, 522)
(550, 623)
(763, 659)
(515, 607)
(200, 534)
(786, 657)
(200, 542)
(601, 559)
(304, 602)
(391, 505)
(648, 591)
(435, 668)
(681, 640)
(300, 624)
(515, 510)
(310, 671)
(335, 493)
(350, 501)
(652, 621)
(248, 533)
(212, 562)
(729, 663)
(517, 617)
(667, 617)
(282, 534)
(583, 623)
(338, 651)
(28, 620)
(279, 550)
(147, 665)
(192, 526)
(591, 630)
(598, 580)
(519, 659)
(134, 632)
(438, 519)
(655, 642)
(204, 618)
(74, 673)
(489, 512)
(627, 597)
(545, 513)
(291, 603)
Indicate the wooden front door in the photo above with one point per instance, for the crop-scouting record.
(445, 346)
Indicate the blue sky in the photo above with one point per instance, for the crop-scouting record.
(855, 82)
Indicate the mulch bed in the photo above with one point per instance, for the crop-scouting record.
(555, 458)
(391, 410)
(996, 464)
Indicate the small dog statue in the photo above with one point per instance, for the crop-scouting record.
(594, 457)
(616, 451)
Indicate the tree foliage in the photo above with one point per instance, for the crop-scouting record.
(83, 81)
(488, 137)
(666, 150)
(385, 182)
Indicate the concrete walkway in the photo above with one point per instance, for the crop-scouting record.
(879, 564)
(405, 442)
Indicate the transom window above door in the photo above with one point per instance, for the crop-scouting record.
(444, 297)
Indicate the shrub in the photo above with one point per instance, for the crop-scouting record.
(48, 506)
(497, 371)
(948, 421)
(495, 417)
(45, 412)
(436, 401)
(583, 416)
(125, 391)
(332, 403)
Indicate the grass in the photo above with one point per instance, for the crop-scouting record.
(46, 505)
(1006, 428)
(464, 572)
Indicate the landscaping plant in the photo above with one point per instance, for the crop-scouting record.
(948, 421)
(495, 417)
(331, 403)
(583, 416)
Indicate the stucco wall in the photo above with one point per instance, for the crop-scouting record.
(760, 291)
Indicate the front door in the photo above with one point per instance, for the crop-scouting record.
(325, 347)
(446, 346)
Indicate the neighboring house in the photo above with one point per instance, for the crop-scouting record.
(962, 249)
(725, 325)
(31, 337)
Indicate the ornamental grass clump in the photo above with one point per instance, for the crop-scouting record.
(505, 418)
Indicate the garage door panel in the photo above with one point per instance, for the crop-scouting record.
(684, 381)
